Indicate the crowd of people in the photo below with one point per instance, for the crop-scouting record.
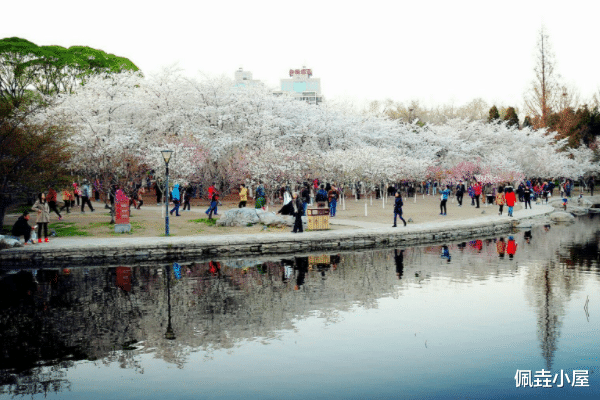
(294, 202)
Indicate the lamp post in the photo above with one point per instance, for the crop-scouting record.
(167, 156)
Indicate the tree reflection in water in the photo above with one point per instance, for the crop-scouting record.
(52, 318)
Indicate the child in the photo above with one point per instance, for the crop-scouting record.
(565, 201)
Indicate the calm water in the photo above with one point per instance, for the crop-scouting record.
(452, 322)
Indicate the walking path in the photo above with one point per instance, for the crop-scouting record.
(350, 233)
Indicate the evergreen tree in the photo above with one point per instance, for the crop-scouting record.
(511, 117)
(527, 122)
(494, 115)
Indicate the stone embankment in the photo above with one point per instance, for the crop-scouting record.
(94, 251)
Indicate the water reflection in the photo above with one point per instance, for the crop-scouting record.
(51, 319)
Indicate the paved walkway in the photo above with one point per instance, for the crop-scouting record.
(364, 228)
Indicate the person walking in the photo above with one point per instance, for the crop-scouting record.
(500, 200)
(260, 200)
(214, 201)
(67, 197)
(158, 187)
(211, 191)
(43, 216)
(510, 199)
(477, 192)
(77, 191)
(444, 199)
(527, 196)
(85, 196)
(332, 196)
(97, 189)
(398, 209)
(52, 198)
(460, 191)
(305, 195)
(176, 200)
(187, 197)
(298, 209)
(140, 196)
(243, 196)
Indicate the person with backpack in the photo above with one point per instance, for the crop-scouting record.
(260, 201)
(321, 196)
(214, 201)
(398, 209)
(500, 200)
(211, 191)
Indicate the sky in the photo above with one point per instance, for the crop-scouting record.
(434, 51)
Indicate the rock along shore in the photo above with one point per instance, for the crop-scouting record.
(95, 251)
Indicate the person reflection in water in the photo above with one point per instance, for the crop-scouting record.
(446, 253)
(399, 258)
(302, 268)
(511, 247)
(214, 268)
(501, 247)
(527, 236)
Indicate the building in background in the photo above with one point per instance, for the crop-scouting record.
(244, 79)
(301, 86)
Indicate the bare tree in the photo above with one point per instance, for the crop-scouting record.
(545, 91)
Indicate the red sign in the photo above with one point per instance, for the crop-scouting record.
(124, 278)
(121, 208)
(301, 72)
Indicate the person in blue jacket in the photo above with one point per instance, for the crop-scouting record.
(444, 199)
(176, 200)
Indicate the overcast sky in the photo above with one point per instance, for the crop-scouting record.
(435, 51)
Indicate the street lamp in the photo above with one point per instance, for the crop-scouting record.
(166, 154)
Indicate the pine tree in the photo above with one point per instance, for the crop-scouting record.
(511, 117)
(527, 122)
(494, 115)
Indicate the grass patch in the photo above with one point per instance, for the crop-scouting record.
(67, 229)
(209, 222)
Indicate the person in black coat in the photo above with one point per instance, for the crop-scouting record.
(22, 227)
(398, 209)
(298, 211)
(460, 191)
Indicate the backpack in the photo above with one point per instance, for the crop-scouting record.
(321, 196)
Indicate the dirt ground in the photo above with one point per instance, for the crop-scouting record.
(149, 221)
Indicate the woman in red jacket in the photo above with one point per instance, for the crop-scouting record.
(510, 199)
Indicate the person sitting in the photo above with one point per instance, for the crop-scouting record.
(22, 228)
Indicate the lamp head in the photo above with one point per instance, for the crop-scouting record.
(166, 155)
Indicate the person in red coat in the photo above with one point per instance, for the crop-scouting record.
(510, 199)
(477, 190)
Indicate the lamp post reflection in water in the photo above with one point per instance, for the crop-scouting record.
(169, 334)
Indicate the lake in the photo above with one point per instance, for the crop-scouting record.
(516, 316)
